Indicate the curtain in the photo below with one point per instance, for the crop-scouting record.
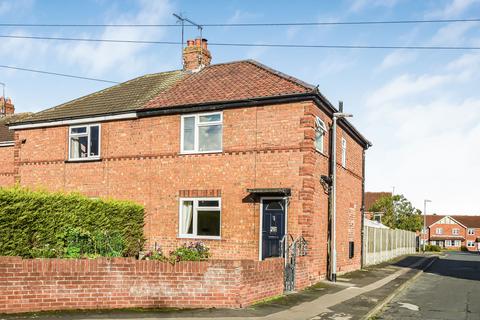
(187, 215)
(75, 148)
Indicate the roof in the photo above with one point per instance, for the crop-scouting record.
(374, 224)
(468, 221)
(6, 135)
(372, 197)
(233, 81)
(223, 84)
(127, 96)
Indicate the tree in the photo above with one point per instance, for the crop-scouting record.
(398, 213)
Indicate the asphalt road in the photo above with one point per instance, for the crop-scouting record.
(449, 289)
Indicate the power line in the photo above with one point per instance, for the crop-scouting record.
(273, 24)
(58, 74)
(274, 45)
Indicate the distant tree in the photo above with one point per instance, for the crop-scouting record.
(398, 213)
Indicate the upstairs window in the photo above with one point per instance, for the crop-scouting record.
(439, 231)
(200, 218)
(471, 231)
(202, 133)
(455, 231)
(344, 153)
(84, 142)
(320, 130)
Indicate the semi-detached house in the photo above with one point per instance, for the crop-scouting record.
(231, 154)
(453, 232)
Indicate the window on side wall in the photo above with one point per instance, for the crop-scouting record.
(344, 153)
(471, 231)
(200, 218)
(84, 142)
(202, 133)
(470, 243)
(320, 130)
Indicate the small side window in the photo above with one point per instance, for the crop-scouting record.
(344, 153)
(320, 130)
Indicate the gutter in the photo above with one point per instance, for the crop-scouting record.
(7, 143)
(362, 233)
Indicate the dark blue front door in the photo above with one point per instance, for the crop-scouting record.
(273, 227)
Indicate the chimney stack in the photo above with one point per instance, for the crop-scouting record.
(196, 55)
(7, 107)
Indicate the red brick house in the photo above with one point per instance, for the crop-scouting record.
(453, 232)
(231, 154)
(370, 199)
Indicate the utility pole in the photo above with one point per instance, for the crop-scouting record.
(333, 243)
(3, 95)
(425, 222)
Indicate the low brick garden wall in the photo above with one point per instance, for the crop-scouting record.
(28, 285)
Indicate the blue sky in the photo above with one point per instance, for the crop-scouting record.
(421, 109)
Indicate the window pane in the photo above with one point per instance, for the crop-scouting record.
(94, 138)
(208, 203)
(319, 140)
(78, 130)
(210, 138)
(189, 133)
(78, 147)
(210, 117)
(208, 223)
(187, 217)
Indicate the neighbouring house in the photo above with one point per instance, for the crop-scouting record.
(231, 154)
(370, 199)
(7, 114)
(453, 231)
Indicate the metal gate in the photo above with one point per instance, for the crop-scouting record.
(291, 249)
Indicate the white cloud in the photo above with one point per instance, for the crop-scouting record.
(16, 7)
(453, 9)
(100, 58)
(397, 58)
(426, 129)
(358, 5)
(453, 33)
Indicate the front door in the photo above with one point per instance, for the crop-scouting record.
(273, 226)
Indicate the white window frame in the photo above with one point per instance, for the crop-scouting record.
(344, 152)
(470, 243)
(433, 243)
(196, 131)
(471, 231)
(455, 231)
(195, 217)
(320, 126)
(448, 243)
(439, 229)
(88, 126)
(457, 243)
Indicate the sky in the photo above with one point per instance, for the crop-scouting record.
(420, 109)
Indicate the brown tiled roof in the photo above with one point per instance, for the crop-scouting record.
(468, 221)
(372, 197)
(229, 82)
(432, 218)
(127, 96)
(6, 135)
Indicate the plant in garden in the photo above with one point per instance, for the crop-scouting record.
(194, 251)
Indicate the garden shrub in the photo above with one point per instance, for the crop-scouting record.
(463, 248)
(42, 224)
(431, 247)
(195, 251)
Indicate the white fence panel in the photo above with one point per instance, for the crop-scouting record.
(384, 244)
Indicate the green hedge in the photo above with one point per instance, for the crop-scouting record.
(43, 224)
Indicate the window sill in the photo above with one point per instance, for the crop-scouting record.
(199, 152)
(199, 237)
(83, 160)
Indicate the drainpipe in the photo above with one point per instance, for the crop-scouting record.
(362, 210)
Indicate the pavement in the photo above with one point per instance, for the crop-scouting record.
(353, 296)
(449, 289)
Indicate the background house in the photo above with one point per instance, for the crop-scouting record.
(454, 231)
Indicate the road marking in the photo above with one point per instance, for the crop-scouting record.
(408, 306)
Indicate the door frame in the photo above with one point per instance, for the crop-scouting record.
(260, 238)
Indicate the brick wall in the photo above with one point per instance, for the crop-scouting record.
(6, 169)
(55, 284)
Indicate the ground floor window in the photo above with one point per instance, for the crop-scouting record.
(448, 243)
(433, 243)
(200, 218)
(457, 243)
(470, 243)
